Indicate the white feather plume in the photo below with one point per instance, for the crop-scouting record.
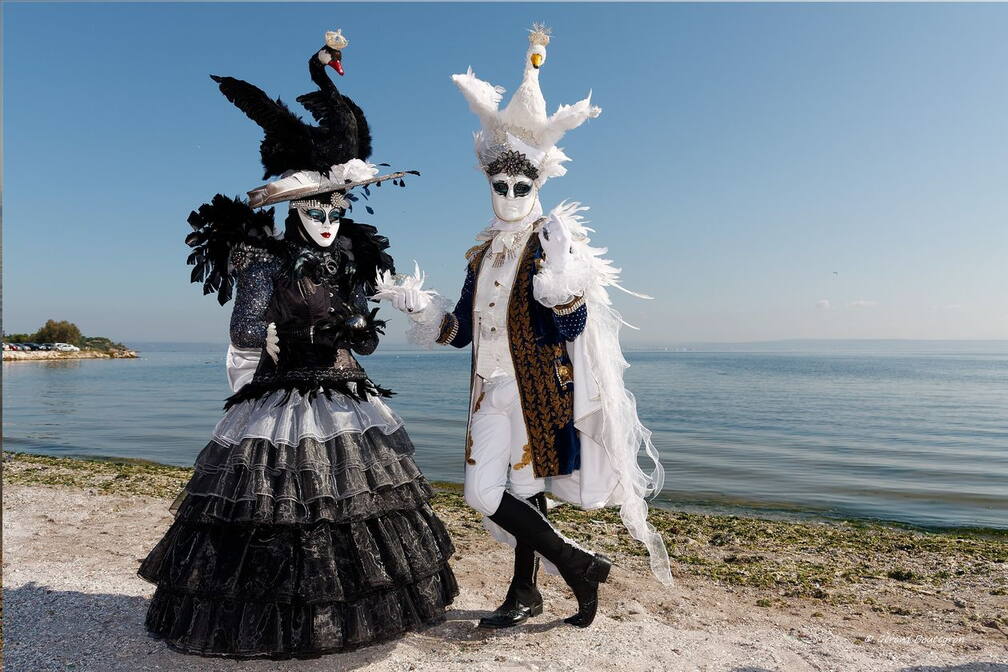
(602, 272)
(483, 97)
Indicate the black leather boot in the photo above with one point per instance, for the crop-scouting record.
(583, 571)
(523, 598)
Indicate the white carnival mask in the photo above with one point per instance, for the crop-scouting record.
(319, 220)
(512, 196)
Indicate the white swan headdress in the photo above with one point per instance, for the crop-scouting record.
(523, 124)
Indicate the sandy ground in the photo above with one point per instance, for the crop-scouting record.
(72, 601)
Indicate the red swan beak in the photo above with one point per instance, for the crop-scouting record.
(337, 66)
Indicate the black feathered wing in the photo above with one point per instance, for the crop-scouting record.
(325, 107)
(363, 130)
(287, 141)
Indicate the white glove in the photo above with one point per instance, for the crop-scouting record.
(556, 243)
(272, 341)
(410, 300)
(564, 275)
(405, 292)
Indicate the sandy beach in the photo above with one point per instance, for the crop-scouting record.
(751, 594)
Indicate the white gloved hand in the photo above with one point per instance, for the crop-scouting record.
(272, 341)
(405, 292)
(556, 243)
(410, 300)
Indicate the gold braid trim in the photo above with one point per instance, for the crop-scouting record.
(449, 329)
(546, 408)
(569, 307)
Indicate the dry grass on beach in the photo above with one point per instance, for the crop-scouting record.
(752, 594)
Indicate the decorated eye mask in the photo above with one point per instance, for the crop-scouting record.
(321, 221)
(517, 190)
(512, 196)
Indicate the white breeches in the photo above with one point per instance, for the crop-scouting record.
(499, 449)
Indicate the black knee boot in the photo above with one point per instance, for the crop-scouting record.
(583, 571)
(523, 598)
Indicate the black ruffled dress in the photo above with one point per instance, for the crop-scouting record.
(306, 528)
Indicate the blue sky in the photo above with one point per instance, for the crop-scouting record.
(764, 171)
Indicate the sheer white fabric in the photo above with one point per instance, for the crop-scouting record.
(553, 288)
(425, 326)
(297, 418)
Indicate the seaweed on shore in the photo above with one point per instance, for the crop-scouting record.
(837, 561)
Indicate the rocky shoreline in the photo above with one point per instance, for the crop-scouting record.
(750, 594)
(36, 355)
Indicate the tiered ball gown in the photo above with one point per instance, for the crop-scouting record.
(306, 527)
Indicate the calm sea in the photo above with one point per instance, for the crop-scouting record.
(911, 432)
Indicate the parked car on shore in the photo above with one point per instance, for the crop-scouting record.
(65, 347)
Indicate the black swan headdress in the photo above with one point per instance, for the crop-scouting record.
(307, 159)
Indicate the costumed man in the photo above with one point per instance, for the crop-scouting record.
(548, 409)
(306, 527)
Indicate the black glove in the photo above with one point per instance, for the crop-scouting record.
(327, 333)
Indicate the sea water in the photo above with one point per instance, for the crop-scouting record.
(911, 432)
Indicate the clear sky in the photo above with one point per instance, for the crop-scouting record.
(765, 171)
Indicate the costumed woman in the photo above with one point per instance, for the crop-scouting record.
(548, 409)
(306, 527)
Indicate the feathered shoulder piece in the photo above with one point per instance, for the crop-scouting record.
(220, 227)
(368, 252)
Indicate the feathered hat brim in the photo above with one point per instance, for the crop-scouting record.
(306, 183)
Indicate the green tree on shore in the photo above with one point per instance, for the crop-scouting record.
(65, 332)
(58, 332)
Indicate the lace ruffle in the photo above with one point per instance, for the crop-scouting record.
(265, 510)
(233, 628)
(302, 564)
(425, 326)
(318, 417)
(552, 288)
(351, 476)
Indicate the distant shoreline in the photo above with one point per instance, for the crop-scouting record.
(42, 355)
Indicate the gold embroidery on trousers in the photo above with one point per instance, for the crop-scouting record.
(468, 450)
(526, 458)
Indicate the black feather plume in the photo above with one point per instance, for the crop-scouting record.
(218, 227)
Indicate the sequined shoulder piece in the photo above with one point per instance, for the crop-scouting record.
(244, 254)
(475, 252)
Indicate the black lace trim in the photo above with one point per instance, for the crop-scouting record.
(358, 390)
